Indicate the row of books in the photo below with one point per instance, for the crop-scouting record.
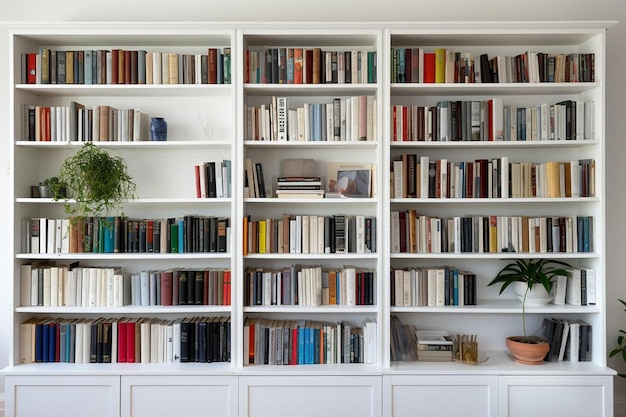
(416, 233)
(403, 343)
(50, 285)
(300, 342)
(119, 66)
(125, 340)
(300, 187)
(489, 120)
(213, 179)
(416, 176)
(303, 233)
(79, 123)
(570, 339)
(309, 286)
(408, 343)
(578, 288)
(446, 65)
(342, 119)
(286, 65)
(117, 234)
(254, 181)
(432, 287)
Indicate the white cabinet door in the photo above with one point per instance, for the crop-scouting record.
(189, 396)
(67, 396)
(554, 396)
(310, 396)
(442, 396)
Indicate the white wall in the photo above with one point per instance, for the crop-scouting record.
(361, 10)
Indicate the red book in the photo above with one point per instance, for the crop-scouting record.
(166, 288)
(122, 343)
(429, 67)
(198, 186)
(308, 66)
(127, 65)
(31, 68)
(298, 62)
(226, 289)
(294, 346)
(205, 288)
(57, 342)
(251, 343)
(130, 342)
(149, 235)
(212, 67)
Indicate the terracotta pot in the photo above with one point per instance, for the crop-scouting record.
(527, 353)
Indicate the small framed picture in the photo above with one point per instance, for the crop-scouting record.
(354, 182)
(349, 179)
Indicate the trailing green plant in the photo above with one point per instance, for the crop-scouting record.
(621, 343)
(97, 182)
(531, 272)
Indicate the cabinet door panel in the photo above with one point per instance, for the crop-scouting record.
(556, 397)
(68, 396)
(177, 395)
(411, 396)
(310, 396)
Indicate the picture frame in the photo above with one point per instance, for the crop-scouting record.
(349, 180)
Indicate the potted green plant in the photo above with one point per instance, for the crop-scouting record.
(97, 182)
(621, 343)
(52, 187)
(530, 276)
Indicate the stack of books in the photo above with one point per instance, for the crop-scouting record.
(434, 345)
(299, 187)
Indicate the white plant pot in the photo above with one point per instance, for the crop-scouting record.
(536, 297)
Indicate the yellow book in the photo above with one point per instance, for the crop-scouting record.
(262, 236)
(440, 65)
(69, 67)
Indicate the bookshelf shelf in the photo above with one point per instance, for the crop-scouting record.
(164, 173)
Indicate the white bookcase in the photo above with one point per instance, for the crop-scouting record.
(164, 173)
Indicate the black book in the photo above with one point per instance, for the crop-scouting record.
(213, 234)
(183, 284)
(191, 287)
(222, 232)
(184, 340)
(340, 231)
(202, 341)
(199, 284)
(211, 185)
(107, 342)
(141, 237)
(260, 179)
(156, 236)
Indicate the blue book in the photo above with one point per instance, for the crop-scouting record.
(181, 234)
(141, 66)
(88, 65)
(301, 339)
(108, 234)
(46, 343)
(39, 342)
(52, 346)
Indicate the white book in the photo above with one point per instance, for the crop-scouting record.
(559, 289)
(574, 341)
(54, 286)
(43, 235)
(176, 336)
(144, 288)
(350, 274)
(573, 295)
(46, 286)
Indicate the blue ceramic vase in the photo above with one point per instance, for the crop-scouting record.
(158, 129)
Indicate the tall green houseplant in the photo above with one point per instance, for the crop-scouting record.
(97, 182)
